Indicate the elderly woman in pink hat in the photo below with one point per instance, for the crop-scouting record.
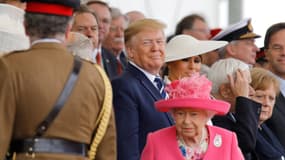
(191, 138)
(183, 56)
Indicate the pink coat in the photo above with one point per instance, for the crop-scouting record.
(162, 145)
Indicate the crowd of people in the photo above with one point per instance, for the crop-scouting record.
(82, 80)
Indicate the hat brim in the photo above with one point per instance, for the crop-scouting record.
(217, 106)
(250, 35)
(10, 42)
(186, 48)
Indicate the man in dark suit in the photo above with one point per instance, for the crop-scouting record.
(102, 56)
(114, 41)
(274, 44)
(35, 120)
(85, 22)
(135, 90)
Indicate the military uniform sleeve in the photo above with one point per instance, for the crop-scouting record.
(7, 107)
(107, 149)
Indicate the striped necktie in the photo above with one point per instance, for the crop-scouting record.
(160, 86)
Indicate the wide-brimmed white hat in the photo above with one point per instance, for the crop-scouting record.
(12, 31)
(185, 46)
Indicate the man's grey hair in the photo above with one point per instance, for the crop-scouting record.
(223, 51)
(220, 70)
(46, 26)
(116, 13)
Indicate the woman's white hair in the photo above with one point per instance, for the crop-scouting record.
(219, 71)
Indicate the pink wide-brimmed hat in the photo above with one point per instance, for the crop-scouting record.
(192, 92)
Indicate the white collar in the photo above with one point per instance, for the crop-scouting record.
(150, 76)
(282, 84)
(166, 80)
(46, 40)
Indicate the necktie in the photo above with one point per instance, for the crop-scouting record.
(98, 58)
(119, 67)
(160, 86)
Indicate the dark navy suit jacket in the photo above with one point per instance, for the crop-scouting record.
(136, 116)
(268, 146)
(110, 63)
(124, 60)
(277, 122)
(244, 122)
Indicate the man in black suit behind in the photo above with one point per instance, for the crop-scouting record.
(101, 55)
(274, 44)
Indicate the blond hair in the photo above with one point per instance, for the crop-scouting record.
(263, 79)
(142, 25)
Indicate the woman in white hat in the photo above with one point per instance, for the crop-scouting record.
(182, 56)
(191, 138)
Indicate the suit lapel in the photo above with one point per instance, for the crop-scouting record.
(146, 83)
(106, 61)
(280, 103)
(123, 60)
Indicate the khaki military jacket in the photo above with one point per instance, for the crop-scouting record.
(30, 83)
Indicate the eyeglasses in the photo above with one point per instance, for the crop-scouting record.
(277, 48)
(116, 28)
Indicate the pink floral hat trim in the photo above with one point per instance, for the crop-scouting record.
(192, 92)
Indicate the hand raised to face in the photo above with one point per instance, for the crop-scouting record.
(240, 83)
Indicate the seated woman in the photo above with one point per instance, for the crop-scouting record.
(191, 138)
(266, 88)
(231, 82)
(183, 56)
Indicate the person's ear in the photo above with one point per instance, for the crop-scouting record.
(130, 52)
(225, 91)
(169, 65)
(267, 53)
(67, 31)
(230, 48)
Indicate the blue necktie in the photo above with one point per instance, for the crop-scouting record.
(160, 86)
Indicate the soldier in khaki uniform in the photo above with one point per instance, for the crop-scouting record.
(31, 82)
